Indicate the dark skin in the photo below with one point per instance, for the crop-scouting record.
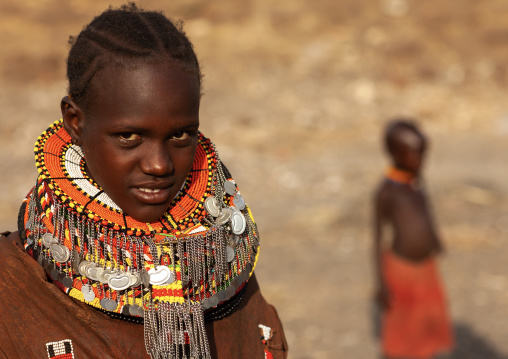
(404, 207)
(138, 133)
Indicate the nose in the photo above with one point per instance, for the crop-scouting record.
(156, 160)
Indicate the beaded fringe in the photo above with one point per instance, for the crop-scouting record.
(176, 331)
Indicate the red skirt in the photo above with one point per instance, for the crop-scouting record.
(416, 325)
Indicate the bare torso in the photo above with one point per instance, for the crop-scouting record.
(406, 210)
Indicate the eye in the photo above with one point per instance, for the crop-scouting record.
(183, 135)
(129, 136)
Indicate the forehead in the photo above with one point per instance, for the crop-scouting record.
(410, 139)
(143, 88)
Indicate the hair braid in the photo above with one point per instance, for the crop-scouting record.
(122, 36)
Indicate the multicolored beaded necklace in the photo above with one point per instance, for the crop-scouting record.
(198, 255)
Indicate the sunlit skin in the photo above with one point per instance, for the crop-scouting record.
(138, 133)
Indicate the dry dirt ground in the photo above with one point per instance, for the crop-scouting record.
(296, 96)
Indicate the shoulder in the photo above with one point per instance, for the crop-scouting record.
(12, 237)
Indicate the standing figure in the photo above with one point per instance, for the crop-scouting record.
(135, 241)
(415, 322)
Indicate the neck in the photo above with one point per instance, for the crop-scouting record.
(400, 176)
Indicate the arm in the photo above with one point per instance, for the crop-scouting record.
(381, 293)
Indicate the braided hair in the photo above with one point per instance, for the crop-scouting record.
(122, 37)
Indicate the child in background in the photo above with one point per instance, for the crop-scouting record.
(415, 321)
(142, 243)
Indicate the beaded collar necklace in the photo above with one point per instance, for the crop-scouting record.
(198, 255)
(402, 177)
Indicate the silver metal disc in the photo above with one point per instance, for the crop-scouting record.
(135, 280)
(88, 293)
(206, 303)
(230, 187)
(125, 309)
(48, 239)
(238, 201)
(54, 274)
(145, 277)
(159, 275)
(40, 259)
(97, 272)
(238, 222)
(91, 271)
(104, 303)
(224, 216)
(60, 252)
(76, 259)
(212, 206)
(30, 240)
(82, 267)
(67, 282)
(133, 309)
(111, 304)
(28, 224)
(119, 281)
(45, 263)
(105, 274)
(230, 254)
(141, 312)
(214, 301)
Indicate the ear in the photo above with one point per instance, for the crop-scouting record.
(73, 119)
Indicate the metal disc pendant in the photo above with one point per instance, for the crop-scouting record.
(67, 282)
(145, 277)
(111, 304)
(75, 260)
(224, 216)
(105, 274)
(40, 259)
(60, 252)
(97, 273)
(230, 187)
(135, 280)
(88, 293)
(238, 222)
(54, 274)
(238, 201)
(125, 309)
(133, 309)
(214, 301)
(30, 240)
(82, 267)
(48, 239)
(159, 275)
(104, 303)
(141, 312)
(28, 224)
(120, 281)
(91, 271)
(230, 254)
(45, 263)
(212, 206)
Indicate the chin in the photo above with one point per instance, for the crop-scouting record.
(152, 215)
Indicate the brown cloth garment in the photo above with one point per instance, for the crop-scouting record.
(34, 312)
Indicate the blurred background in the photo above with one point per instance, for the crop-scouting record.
(296, 96)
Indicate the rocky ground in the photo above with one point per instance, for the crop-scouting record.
(296, 95)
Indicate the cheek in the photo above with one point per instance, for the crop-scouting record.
(183, 160)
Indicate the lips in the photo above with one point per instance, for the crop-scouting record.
(153, 193)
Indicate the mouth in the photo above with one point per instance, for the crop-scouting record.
(153, 193)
